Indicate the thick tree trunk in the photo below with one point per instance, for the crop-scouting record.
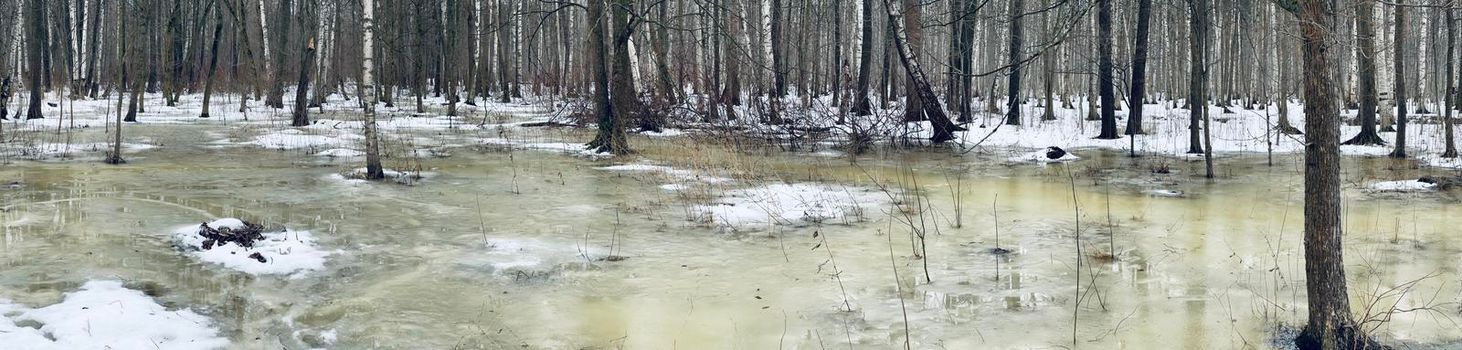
(281, 41)
(661, 45)
(943, 128)
(1198, 72)
(212, 65)
(1399, 86)
(1012, 114)
(368, 91)
(611, 137)
(93, 48)
(1105, 86)
(307, 59)
(966, 65)
(35, 42)
(1448, 96)
(1365, 37)
(779, 72)
(1139, 69)
(1330, 326)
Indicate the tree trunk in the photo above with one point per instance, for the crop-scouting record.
(212, 64)
(307, 57)
(368, 91)
(861, 105)
(1198, 72)
(611, 137)
(1139, 69)
(1105, 86)
(911, 36)
(779, 73)
(1365, 37)
(35, 41)
(1399, 86)
(1330, 326)
(281, 41)
(1012, 114)
(943, 128)
(1448, 95)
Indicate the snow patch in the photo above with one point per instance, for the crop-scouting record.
(1164, 193)
(789, 204)
(105, 315)
(679, 174)
(1402, 186)
(341, 153)
(286, 252)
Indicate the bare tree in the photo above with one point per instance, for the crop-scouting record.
(611, 137)
(1330, 325)
(1399, 86)
(929, 104)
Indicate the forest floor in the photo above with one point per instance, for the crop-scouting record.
(711, 234)
(335, 128)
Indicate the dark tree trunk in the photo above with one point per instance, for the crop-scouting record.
(281, 41)
(622, 88)
(1365, 37)
(1105, 86)
(307, 13)
(1139, 68)
(212, 65)
(1399, 63)
(661, 45)
(1448, 96)
(611, 137)
(779, 73)
(1198, 72)
(35, 42)
(93, 48)
(1330, 325)
(1012, 114)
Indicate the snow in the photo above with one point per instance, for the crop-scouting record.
(667, 132)
(561, 147)
(62, 150)
(789, 204)
(289, 139)
(291, 253)
(1402, 186)
(340, 153)
(405, 177)
(105, 315)
(1163, 193)
(678, 174)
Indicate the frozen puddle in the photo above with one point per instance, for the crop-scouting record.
(527, 258)
(104, 315)
(290, 253)
(789, 204)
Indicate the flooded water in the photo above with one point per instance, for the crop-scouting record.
(541, 250)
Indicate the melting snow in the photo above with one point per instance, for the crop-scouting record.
(791, 204)
(104, 315)
(286, 253)
(1402, 186)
